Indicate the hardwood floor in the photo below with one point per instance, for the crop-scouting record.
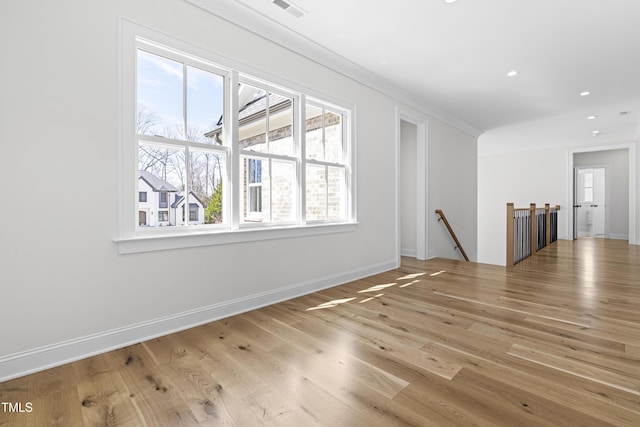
(553, 341)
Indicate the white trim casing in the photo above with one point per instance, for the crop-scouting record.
(422, 185)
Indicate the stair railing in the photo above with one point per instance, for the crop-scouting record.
(529, 230)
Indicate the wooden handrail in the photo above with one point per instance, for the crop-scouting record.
(455, 239)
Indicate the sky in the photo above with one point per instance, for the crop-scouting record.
(160, 90)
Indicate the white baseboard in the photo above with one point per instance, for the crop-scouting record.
(408, 252)
(618, 236)
(38, 359)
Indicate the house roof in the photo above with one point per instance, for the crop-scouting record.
(255, 109)
(156, 183)
(180, 198)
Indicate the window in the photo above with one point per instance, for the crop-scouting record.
(201, 129)
(267, 144)
(163, 200)
(326, 177)
(193, 212)
(180, 102)
(588, 187)
(254, 185)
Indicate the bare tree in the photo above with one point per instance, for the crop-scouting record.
(205, 168)
(147, 121)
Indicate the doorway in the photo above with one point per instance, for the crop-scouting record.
(619, 163)
(142, 218)
(411, 185)
(408, 180)
(590, 206)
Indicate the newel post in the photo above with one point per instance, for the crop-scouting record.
(509, 234)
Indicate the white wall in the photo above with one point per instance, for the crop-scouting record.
(63, 280)
(537, 176)
(509, 172)
(408, 188)
(616, 163)
(452, 188)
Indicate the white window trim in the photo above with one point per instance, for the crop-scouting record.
(132, 240)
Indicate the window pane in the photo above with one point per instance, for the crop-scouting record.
(160, 95)
(336, 193)
(316, 193)
(255, 190)
(333, 137)
(254, 169)
(588, 194)
(162, 175)
(280, 125)
(283, 186)
(588, 179)
(255, 199)
(251, 117)
(207, 173)
(205, 103)
(194, 211)
(313, 131)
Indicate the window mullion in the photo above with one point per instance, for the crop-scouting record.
(266, 122)
(270, 187)
(326, 192)
(300, 118)
(187, 189)
(233, 133)
(187, 154)
(324, 136)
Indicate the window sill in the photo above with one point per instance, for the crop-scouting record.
(161, 242)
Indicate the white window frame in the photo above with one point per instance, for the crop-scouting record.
(252, 185)
(268, 157)
(346, 157)
(132, 238)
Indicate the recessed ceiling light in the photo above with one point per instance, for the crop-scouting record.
(512, 73)
(591, 117)
(585, 93)
(449, 1)
(595, 133)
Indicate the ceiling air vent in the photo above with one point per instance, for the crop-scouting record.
(289, 7)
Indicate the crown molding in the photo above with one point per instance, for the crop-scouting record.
(263, 26)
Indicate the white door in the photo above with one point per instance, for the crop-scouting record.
(590, 202)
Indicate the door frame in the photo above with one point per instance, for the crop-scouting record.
(422, 180)
(632, 183)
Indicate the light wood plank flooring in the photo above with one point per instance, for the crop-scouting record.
(553, 341)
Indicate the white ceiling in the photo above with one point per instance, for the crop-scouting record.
(452, 59)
